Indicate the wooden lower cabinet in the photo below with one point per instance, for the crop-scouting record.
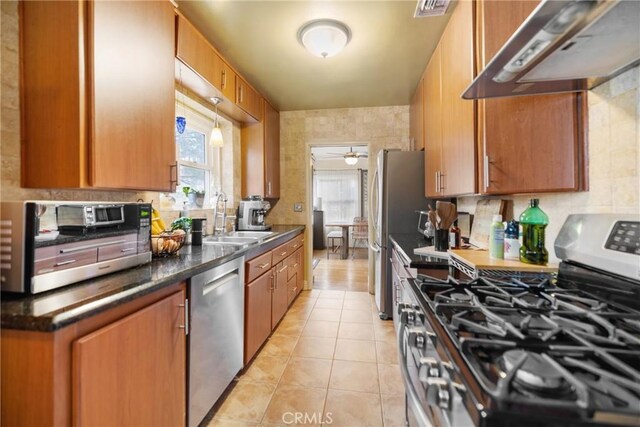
(125, 366)
(279, 301)
(268, 296)
(132, 372)
(257, 299)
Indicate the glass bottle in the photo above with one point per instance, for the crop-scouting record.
(533, 221)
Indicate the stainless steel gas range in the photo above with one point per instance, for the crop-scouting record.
(556, 352)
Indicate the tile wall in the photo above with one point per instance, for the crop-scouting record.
(380, 127)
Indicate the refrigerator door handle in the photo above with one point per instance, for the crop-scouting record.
(373, 205)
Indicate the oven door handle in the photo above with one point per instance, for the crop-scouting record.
(412, 394)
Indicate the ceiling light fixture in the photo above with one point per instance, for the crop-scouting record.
(324, 37)
(351, 160)
(216, 133)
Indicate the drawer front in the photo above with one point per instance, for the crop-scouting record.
(257, 266)
(296, 243)
(280, 253)
(293, 261)
(117, 251)
(69, 255)
(66, 260)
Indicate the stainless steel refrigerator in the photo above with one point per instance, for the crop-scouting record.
(397, 192)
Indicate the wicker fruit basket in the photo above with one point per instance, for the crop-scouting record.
(167, 243)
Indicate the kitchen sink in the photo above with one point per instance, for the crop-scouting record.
(254, 234)
(237, 238)
(228, 240)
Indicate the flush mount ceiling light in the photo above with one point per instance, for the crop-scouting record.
(324, 37)
(216, 133)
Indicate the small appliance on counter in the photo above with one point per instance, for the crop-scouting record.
(49, 244)
(252, 213)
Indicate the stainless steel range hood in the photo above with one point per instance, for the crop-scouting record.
(564, 46)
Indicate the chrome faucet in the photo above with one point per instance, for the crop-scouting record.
(220, 196)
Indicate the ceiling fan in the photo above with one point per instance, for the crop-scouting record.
(350, 157)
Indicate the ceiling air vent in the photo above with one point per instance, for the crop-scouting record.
(431, 8)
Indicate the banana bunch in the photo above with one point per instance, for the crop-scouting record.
(157, 224)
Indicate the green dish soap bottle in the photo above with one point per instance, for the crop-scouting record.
(533, 221)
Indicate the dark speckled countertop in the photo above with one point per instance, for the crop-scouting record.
(407, 242)
(55, 309)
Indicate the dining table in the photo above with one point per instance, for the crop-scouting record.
(344, 253)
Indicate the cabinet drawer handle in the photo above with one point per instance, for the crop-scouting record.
(437, 181)
(283, 253)
(269, 188)
(185, 326)
(283, 269)
(127, 249)
(173, 182)
(487, 179)
(295, 246)
(241, 94)
(224, 79)
(263, 266)
(58, 264)
(295, 265)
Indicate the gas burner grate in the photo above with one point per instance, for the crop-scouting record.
(579, 377)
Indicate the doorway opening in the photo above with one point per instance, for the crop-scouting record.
(340, 200)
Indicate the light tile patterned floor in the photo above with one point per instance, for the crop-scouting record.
(331, 359)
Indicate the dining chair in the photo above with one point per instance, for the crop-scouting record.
(332, 236)
(360, 232)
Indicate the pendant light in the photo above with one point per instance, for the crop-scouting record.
(216, 133)
(351, 158)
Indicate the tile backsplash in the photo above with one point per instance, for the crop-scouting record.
(613, 160)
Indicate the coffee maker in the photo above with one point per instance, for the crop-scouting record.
(251, 214)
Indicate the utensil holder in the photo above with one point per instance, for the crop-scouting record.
(441, 240)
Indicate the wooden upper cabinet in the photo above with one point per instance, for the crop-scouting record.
(196, 52)
(416, 117)
(260, 153)
(248, 98)
(458, 115)
(529, 143)
(433, 125)
(449, 121)
(272, 151)
(227, 79)
(133, 372)
(97, 111)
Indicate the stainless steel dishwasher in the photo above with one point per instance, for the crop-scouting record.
(216, 335)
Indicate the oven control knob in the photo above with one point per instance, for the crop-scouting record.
(438, 393)
(429, 368)
(417, 338)
(402, 306)
(408, 316)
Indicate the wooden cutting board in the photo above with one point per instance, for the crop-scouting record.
(480, 260)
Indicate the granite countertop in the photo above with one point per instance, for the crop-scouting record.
(61, 307)
(407, 242)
